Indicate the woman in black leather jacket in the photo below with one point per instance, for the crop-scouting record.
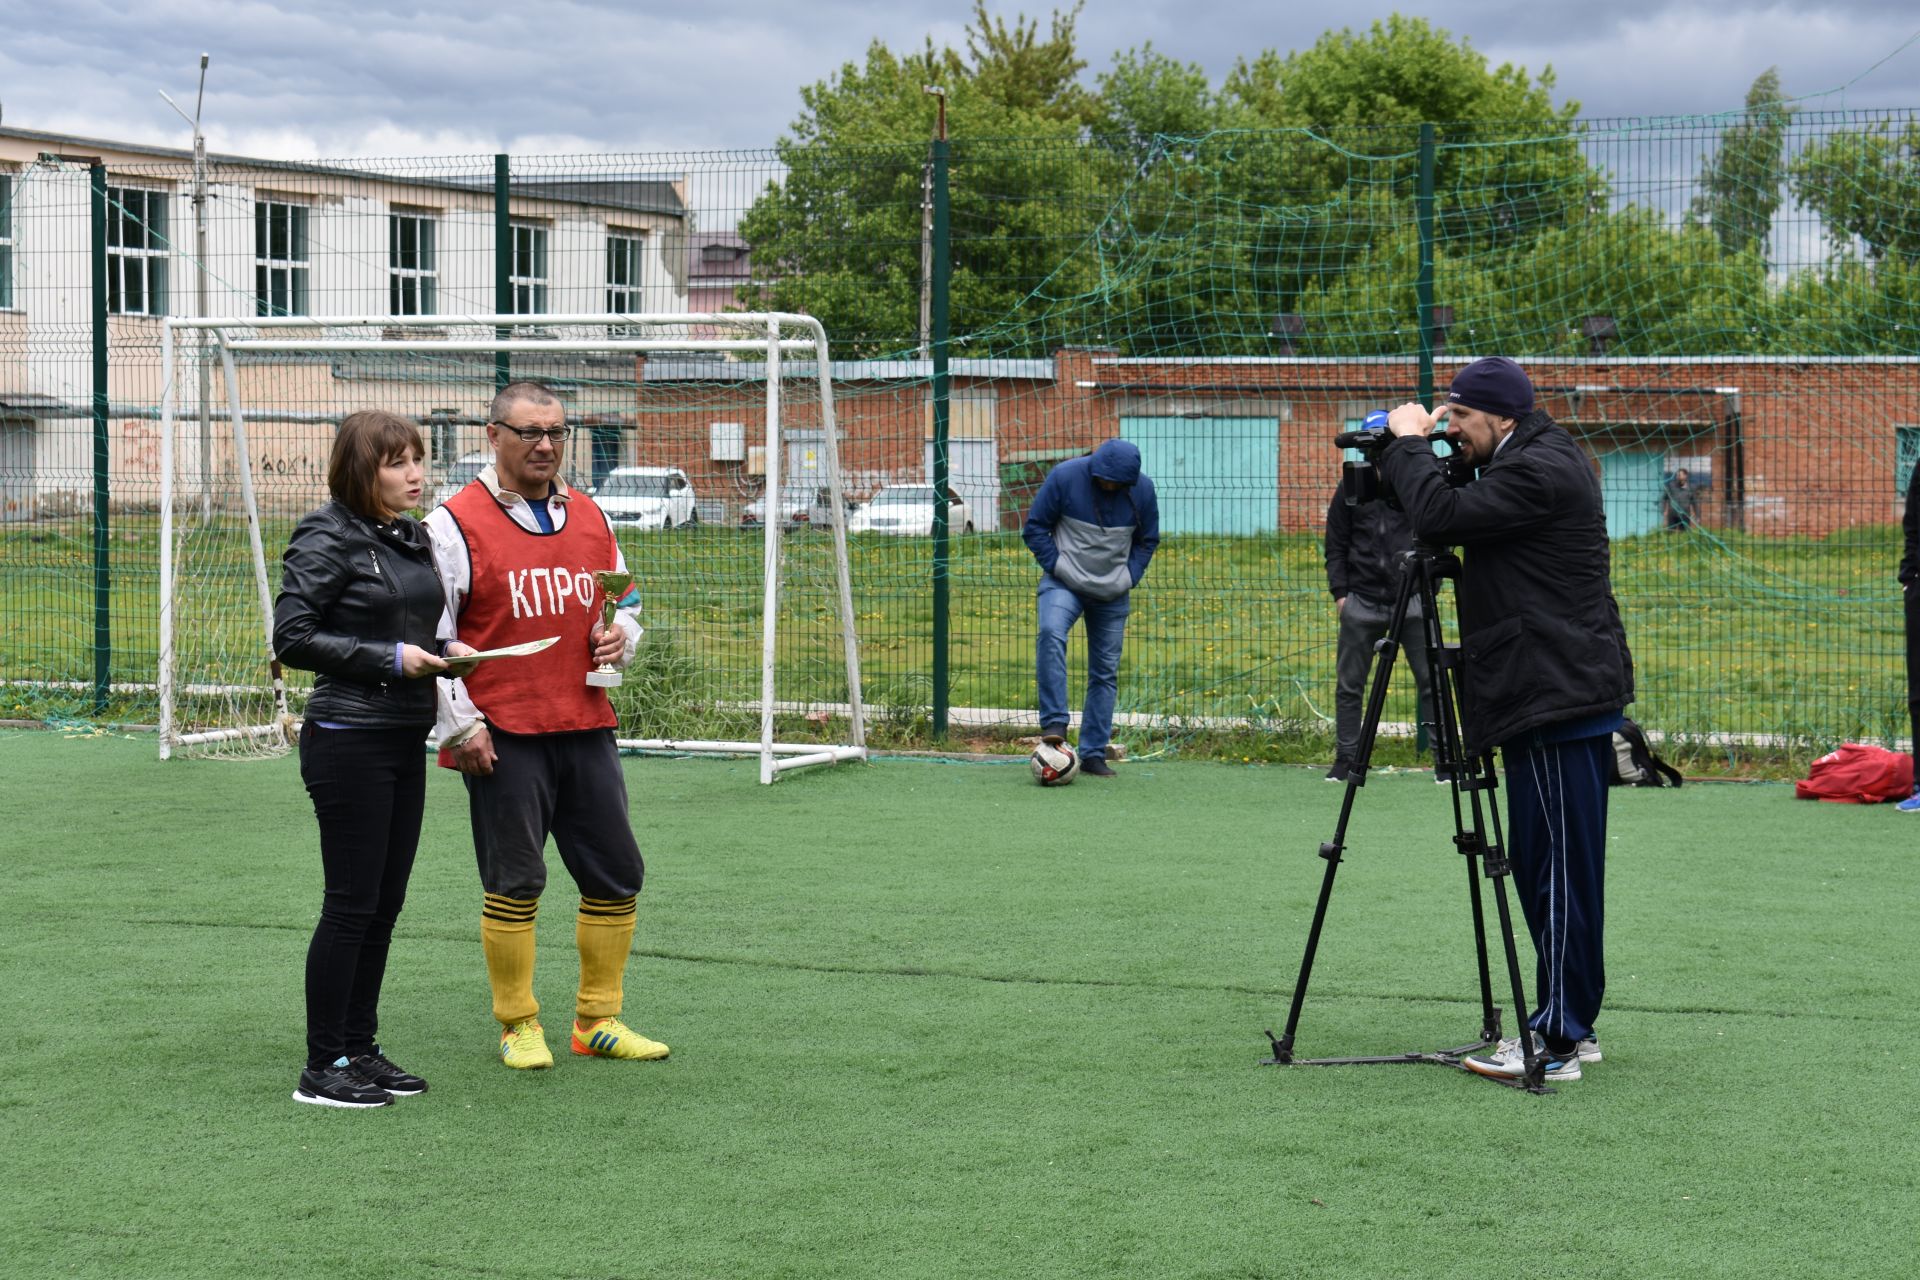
(360, 606)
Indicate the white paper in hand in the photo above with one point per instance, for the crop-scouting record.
(511, 651)
(460, 666)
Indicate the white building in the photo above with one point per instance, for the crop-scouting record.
(289, 238)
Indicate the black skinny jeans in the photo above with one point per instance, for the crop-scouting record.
(368, 787)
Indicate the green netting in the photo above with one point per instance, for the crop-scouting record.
(1735, 295)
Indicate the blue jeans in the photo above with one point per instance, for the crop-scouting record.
(1059, 607)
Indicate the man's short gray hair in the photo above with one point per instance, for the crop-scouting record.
(515, 394)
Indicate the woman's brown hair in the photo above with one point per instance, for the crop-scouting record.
(366, 441)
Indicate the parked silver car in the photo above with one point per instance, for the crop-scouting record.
(457, 475)
(809, 507)
(906, 510)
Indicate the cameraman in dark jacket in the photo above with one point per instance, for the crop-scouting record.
(1364, 545)
(1546, 669)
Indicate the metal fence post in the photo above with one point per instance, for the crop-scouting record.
(1424, 209)
(1424, 212)
(942, 390)
(102, 575)
(502, 262)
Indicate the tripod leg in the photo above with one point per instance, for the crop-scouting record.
(1384, 652)
(1452, 763)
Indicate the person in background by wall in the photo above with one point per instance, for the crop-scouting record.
(1679, 498)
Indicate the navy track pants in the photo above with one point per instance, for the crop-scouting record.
(1557, 840)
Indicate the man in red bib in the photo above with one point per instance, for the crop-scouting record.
(517, 551)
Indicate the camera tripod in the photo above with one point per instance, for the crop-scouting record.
(1471, 782)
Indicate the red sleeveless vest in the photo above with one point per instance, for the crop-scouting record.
(528, 586)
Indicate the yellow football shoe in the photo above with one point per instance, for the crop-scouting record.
(612, 1038)
(523, 1046)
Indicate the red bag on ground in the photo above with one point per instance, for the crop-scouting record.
(1858, 774)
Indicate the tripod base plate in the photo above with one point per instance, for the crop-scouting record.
(1436, 1058)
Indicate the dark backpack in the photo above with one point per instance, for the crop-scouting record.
(1634, 762)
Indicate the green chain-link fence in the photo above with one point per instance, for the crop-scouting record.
(1737, 296)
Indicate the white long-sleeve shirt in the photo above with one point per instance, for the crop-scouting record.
(457, 715)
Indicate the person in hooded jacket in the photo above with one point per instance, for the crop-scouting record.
(1093, 529)
(360, 605)
(1364, 545)
(1545, 669)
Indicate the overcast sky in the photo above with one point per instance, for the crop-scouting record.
(392, 78)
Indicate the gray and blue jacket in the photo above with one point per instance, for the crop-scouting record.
(1094, 542)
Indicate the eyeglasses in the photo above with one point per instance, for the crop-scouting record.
(532, 434)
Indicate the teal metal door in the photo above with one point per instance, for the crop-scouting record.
(1212, 475)
(1631, 484)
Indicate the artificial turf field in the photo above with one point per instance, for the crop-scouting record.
(930, 1020)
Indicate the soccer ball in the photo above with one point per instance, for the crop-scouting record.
(1054, 766)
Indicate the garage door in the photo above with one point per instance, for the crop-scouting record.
(1212, 475)
(1630, 489)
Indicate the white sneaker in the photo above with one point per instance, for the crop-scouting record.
(1588, 1049)
(1508, 1062)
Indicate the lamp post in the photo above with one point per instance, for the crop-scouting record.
(200, 286)
(1286, 327)
(1598, 331)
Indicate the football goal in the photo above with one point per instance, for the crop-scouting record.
(249, 409)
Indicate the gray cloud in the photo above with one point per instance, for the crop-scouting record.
(392, 79)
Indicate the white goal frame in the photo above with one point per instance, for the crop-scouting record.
(760, 333)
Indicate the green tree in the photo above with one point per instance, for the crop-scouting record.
(1741, 182)
(1014, 67)
(1865, 184)
(1401, 71)
(840, 236)
(1508, 167)
(1161, 214)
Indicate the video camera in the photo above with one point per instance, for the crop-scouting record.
(1361, 481)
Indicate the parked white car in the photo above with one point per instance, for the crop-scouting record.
(647, 497)
(906, 510)
(800, 508)
(457, 476)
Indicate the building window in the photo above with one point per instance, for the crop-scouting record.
(623, 272)
(280, 258)
(412, 270)
(136, 251)
(528, 276)
(6, 240)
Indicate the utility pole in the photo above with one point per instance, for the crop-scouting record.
(926, 224)
(200, 287)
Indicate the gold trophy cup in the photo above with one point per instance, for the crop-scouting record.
(613, 585)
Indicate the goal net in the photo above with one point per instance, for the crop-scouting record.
(699, 491)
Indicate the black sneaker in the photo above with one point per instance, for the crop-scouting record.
(380, 1071)
(1096, 766)
(339, 1085)
(1338, 772)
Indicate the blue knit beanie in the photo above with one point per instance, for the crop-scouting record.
(1494, 385)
